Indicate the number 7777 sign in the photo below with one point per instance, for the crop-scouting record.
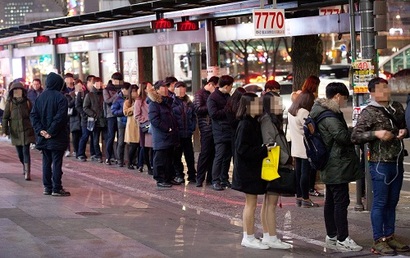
(269, 22)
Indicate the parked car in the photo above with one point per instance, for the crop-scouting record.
(240, 80)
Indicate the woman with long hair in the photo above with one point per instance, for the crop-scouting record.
(141, 115)
(298, 111)
(311, 85)
(16, 123)
(132, 131)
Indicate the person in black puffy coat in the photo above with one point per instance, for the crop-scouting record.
(164, 134)
(183, 110)
(222, 133)
(207, 153)
(49, 118)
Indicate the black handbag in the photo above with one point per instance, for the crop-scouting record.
(145, 126)
(285, 184)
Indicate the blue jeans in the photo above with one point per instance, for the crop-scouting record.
(52, 169)
(85, 134)
(387, 179)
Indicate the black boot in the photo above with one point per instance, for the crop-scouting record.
(27, 171)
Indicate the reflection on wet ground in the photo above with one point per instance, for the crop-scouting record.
(116, 212)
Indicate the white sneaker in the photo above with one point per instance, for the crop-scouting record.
(67, 154)
(253, 243)
(276, 244)
(331, 241)
(348, 245)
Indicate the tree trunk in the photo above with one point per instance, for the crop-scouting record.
(306, 58)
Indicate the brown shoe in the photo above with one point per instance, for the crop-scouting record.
(396, 245)
(381, 247)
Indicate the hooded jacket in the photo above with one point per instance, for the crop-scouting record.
(50, 114)
(371, 119)
(16, 118)
(163, 124)
(343, 164)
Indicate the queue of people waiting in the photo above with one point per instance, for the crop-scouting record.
(157, 122)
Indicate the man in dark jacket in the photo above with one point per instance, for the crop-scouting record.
(183, 110)
(93, 108)
(382, 124)
(85, 133)
(49, 118)
(207, 153)
(35, 91)
(164, 134)
(110, 94)
(341, 168)
(222, 133)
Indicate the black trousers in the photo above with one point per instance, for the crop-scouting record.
(133, 148)
(23, 151)
(75, 138)
(163, 167)
(222, 161)
(206, 157)
(187, 149)
(336, 203)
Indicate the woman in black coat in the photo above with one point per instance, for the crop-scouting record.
(249, 153)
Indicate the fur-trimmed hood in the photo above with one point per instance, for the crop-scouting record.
(322, 104)
(154, 96)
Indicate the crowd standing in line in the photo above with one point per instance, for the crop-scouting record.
(156, 123)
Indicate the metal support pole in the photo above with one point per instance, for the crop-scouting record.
(57, 61)
(359, 204)
(196, 66)
(210, 44)
(115, 39)
(368, 52)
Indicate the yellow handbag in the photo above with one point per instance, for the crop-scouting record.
(270, 164)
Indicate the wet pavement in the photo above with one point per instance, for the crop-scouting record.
(116, 212)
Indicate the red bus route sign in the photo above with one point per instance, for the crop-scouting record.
(269, 22)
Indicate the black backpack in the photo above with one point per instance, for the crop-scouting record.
(316, 150)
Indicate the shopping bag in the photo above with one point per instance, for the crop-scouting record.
(90, 123)
(285, 185)
(270, 164)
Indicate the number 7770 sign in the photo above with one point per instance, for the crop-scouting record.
(269, 22)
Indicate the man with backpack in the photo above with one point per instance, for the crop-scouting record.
(341, 168)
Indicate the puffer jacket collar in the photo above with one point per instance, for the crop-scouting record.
(154, 96)
(328, 104)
